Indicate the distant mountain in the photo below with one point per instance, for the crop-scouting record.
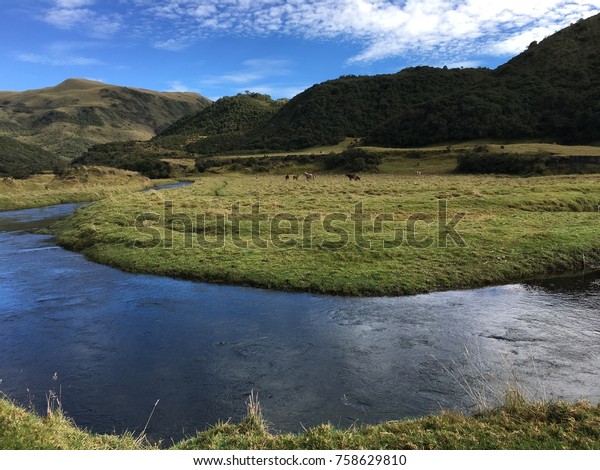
(68, 118)
(225, 120)
(549, 92)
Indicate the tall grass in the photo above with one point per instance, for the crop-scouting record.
(75, 185)
(512, 228)
(516, 423)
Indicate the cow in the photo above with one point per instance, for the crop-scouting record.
(353, 176)
(309, 176)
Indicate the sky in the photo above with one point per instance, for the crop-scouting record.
(224, 47)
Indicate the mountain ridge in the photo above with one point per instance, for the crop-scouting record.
(68, 118)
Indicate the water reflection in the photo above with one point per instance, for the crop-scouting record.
(120, 341)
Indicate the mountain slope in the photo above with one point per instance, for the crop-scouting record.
(549, 92)
(230, 114)
(22, 160)
(70, 117)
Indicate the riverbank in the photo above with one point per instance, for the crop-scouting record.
(82, 184)
(382, 235)
(518, 424)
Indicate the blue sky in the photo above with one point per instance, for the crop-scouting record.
(223, 47)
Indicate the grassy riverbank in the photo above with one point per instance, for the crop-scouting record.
(81, 184)
(383, 235)
(516, 425)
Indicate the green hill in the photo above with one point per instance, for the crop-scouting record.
(231, 114)
(21, 160)
(69, 118)
(550, 92)
(221, 125)
(226, 120)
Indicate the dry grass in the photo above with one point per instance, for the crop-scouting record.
(77, 185)
(524, 147)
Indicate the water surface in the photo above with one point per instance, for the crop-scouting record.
(119, 342)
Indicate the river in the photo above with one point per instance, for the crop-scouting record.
(118, 342)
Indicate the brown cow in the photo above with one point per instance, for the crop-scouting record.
(353, 176)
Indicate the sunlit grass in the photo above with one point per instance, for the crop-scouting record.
(518, 424)
(512, 228)
(25, 430)
(76, 185)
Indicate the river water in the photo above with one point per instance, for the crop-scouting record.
(118, 342)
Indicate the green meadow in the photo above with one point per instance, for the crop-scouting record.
(81, 184)
(387, 234)
(393, 232)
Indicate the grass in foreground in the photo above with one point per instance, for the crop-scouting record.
(24, 430)
(81, 184)
(517, 425)
(309, 236)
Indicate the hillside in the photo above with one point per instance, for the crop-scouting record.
(227, 119)
(231, 114)
(21, 160)
(550, 92)
(68, 118)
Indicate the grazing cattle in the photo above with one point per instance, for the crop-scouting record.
(309, 176)
(295, 177)
(287, 177)
(419, 173)
(353, 176)
(598, 207)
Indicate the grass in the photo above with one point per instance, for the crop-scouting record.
(518, 424)
(515, 147)
(76, 185)
(21, 429)
(512, 228)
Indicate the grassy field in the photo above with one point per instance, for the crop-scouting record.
(76, 185)
(523, 148)
(383, 235)
(518, 424)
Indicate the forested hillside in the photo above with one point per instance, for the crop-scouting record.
(22, 160)
(549, 92)
(225, 120)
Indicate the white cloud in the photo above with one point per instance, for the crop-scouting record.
(252, 75)
(252, 71)
(62, 53)
(449, 29)
(57, 60)
(177, 86)
(170, 45)
(443, 30)
(73, 3)
(277, 91)
(73, 14)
